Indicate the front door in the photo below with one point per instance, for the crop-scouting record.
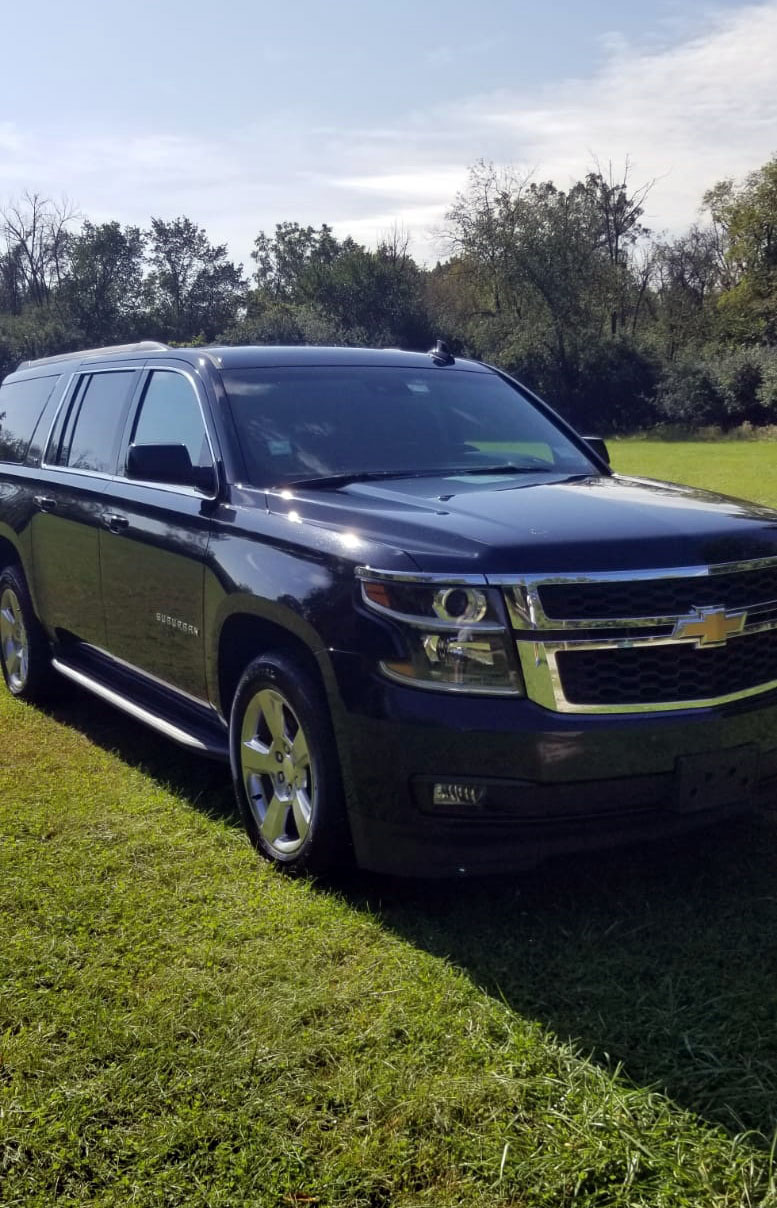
(155, 541)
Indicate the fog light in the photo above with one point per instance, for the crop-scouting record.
(458, 794)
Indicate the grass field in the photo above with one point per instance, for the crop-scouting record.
(179, 1025)
(742, 468)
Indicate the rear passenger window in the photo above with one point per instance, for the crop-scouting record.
(170, 415)
(89, 437)
(21, 406)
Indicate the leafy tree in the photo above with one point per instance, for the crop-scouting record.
(102, 287)
(746, 217)
(686, 279)
(359, 296)
(284, 261)
(193, 290)
(547, 272)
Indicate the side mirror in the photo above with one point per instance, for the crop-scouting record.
(599, 446)
(170, 464)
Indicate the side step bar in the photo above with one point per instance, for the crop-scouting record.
(204, 744)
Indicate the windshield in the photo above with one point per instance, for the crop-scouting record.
(300, 424)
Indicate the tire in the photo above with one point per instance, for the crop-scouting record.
(285, 768)
(25, 654)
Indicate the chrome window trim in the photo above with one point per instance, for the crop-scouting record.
(65, 400)
(45, 465)
(148, 369)
(34, 377)
(190, 492)
(100, 474)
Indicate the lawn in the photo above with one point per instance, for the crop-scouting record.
(180, 1025)
(742, 468)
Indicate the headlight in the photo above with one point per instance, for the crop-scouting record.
(455, 635)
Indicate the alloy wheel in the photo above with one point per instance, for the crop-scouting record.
(277, 771)
(14, 641)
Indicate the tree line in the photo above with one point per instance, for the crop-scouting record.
(568, 289)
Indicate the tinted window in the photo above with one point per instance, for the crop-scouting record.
(94, 420)
(21, 406)
(170, 415)
(300, 423)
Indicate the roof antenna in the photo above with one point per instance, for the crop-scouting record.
(441, 354)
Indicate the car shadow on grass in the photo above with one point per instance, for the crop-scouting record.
(204, 782)
(660, 959)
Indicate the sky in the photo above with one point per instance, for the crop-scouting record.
(368, 115)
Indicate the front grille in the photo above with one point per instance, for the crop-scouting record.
(644, 675)
(658, 597)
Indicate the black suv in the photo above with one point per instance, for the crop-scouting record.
(426, 623)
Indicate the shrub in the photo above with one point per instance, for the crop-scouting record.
(689, 394)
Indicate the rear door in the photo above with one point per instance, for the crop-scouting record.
(153, 553)
(78, 464)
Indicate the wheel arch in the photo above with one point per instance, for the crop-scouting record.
(9, 554)
(243, 637)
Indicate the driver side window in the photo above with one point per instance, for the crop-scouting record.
(170, 415)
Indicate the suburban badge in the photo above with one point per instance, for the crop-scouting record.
(175, 623)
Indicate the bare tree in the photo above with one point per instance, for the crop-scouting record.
(34, 232)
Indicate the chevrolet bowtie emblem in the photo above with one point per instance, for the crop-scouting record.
(710, 626)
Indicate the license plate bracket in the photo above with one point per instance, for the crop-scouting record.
(715, 779)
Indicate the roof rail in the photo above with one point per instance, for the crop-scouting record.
(110, 349)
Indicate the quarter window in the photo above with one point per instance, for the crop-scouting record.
(21, 406)
(170, 415)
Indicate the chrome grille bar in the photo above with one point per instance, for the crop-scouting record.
(541, 638)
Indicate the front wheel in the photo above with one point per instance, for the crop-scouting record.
(285, 767)
(25, 655)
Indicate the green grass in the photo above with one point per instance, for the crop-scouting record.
(180, 1025)
(747, 469)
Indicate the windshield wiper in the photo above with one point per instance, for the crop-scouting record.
(349, 476)
(507, 468)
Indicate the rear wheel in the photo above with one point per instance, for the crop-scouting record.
(25, 655)
(285, 767)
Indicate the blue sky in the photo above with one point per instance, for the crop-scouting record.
(360, 114)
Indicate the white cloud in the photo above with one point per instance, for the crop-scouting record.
(422, 185)
(686, 114)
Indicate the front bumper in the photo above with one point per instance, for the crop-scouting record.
(553, 783)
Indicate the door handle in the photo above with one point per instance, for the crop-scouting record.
(115, 522)
(45, 503)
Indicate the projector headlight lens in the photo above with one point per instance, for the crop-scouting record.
(455, 636)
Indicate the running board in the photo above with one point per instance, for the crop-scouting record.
(187, 738)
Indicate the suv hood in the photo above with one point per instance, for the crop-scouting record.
(533, 524)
